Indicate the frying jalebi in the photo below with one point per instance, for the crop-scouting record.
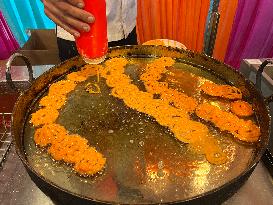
(150, 78)
(44, 116)
(175, 117)
(244, 130)
(224, 91)
(72, 149)
(49, 133)
(62, 87)
(76, 77)
(65, 149)
(241, 108)
(53, 101)
(91, 163)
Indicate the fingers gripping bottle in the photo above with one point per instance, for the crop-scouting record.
(93, 45)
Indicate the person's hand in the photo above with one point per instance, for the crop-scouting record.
(69, 14)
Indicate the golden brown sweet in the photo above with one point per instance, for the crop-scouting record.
(150, 77)
(76, 77)
(224, 91)
(62, 87)
(244, 130)
(241, 108)
(69, 146)
(72, 149)
(48, 134)
(176, 117)
(92, 162)
(53, 101)
(44, 116)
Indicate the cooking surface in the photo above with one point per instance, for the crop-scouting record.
(19, 189)
(144, 161)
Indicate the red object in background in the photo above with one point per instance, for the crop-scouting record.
(93, 45)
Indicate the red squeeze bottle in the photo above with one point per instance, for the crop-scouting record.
(93, 45)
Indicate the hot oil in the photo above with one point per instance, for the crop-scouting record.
(145, 162)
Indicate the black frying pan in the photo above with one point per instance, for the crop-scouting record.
(145, 163)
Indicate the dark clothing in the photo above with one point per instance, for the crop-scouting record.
(68, 49)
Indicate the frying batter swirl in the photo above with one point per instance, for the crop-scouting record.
(244, 130)
(44, 116)
(48, 134)
(241, 108)
(53, 101)
(72, 149)
(224, 91)
(153, 72)
(176, 117)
